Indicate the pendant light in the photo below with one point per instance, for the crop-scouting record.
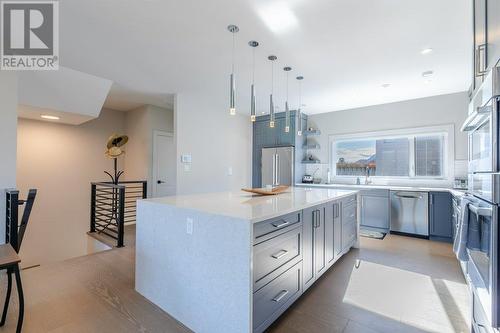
(287, 109)
(253, 44)
(299, 116)
(232, 89)
(272, 58)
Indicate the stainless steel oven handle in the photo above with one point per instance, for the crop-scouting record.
(481, 211)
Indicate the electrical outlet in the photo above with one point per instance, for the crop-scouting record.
(230, 171)
(189, 226)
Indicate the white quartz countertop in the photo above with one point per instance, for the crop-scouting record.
(246, 206)
(455, 192)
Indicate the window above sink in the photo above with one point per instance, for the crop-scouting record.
(407, 155)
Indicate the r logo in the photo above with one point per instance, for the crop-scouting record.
(29, 33)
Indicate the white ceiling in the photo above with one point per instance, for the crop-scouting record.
(346, 49)
(73, 96)
(124, 99)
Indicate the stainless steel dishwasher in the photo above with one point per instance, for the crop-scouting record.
(410, 212)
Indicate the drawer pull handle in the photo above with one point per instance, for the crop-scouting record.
(280, 254)
(352, 215)
(282, 224)
(280, 296)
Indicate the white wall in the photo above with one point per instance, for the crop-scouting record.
(140, 124)
(216, 141)
(436, 110)
(61, 161)
(8, 129)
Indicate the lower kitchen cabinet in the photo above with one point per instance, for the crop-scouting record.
(333, 229)
(349, 225)
(314, 253)
(375, 209)
(328, 231)
(440, 216)
(292, 251)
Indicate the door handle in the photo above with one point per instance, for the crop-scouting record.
(279, 254)
(280, 296)
(160, 182)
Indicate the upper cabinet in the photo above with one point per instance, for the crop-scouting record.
(486, 38)
(480, 46)
(493, 32)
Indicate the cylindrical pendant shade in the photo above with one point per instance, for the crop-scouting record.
(271, 111)
(287, 118)
(252, 103)
(232, 97)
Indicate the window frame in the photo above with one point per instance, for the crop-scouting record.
(448, 132)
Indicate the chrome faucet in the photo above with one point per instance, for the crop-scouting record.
(367, 176)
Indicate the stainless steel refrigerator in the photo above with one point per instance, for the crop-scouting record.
(277, 166)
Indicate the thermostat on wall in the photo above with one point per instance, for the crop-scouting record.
(186, 158)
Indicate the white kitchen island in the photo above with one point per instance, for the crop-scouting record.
(232, 261)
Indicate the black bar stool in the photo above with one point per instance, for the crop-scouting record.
(9, 260)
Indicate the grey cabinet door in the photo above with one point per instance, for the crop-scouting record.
(308, 266)
(320, 241)
(330, 232)
(440, 214)
(493, 32)
(285, 138)
(337, 230)
(375, 212)
(480, 50)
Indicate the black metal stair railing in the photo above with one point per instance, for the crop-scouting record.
(113, 205)
(14, 231)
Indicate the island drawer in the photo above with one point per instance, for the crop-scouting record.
(272, 300)
(276, 252)
(267, 229)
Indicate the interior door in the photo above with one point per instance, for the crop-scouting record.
(164, 164)
(285, 161)
(268, 166)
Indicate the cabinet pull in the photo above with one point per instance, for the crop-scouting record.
(480, 60)
(317, 219)
(280, 296)
(280, 225)
(280, 254)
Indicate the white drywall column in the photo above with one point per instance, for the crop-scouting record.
(8, 139)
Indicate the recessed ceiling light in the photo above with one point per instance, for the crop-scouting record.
(426, 51)
(427, 74)
(49, 117)
(386, 85)
(278, 16)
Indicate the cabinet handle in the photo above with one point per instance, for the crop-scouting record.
(280, 225)
(280, 254)
(280, 296)
(481, 60)
(319, 219)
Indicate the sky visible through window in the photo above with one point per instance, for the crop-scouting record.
(354, 151)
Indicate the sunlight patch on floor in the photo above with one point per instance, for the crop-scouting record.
(433, 305)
